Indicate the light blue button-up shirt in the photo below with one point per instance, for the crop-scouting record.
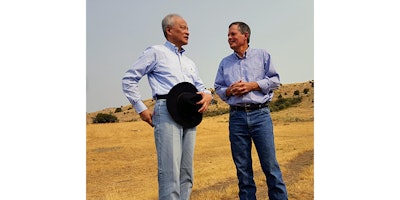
(255, 66)
(165, 67)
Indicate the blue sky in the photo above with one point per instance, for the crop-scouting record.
(118, 32)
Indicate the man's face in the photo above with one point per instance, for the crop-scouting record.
(235, 38)
(179, 32)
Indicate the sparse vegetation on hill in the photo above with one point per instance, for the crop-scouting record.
(286, 96)
(282, 103)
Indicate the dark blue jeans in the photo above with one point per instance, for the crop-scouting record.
(245, 128)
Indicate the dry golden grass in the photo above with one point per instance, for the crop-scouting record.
(122, 165)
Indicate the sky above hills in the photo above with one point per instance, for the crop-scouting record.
(118, 32)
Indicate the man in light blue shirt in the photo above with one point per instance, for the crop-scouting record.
(246, 80)
(166, 66)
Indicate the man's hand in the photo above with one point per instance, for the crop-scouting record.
(205, 101)
(241, 88)
(146, 116)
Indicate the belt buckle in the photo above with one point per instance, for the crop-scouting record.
(247, 107)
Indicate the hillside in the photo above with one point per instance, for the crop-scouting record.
(286, 91)
(120, 156)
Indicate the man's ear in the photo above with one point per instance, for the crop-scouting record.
(246, 35)
(168, 30)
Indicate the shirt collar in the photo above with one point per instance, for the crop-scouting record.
(245, 54)
(173, 48)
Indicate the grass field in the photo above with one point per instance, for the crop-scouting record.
(121, 158)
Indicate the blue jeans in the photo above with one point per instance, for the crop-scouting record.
(245, 128)
(175, 150)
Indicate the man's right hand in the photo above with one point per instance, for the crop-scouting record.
(146, 116)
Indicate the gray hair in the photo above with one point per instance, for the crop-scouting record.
(167, 22)
(243, 28)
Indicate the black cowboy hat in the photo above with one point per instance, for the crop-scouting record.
(181, 104)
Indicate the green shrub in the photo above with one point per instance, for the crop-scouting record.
(283, 103)
(104, 118)
(118, 110)
(220, 111)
